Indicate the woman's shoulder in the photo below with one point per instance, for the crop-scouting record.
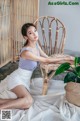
(25, 48)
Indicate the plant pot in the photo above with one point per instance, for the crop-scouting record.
(73, 93)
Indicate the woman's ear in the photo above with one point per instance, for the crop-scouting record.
(25, 37)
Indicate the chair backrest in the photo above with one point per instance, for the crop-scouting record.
(51, 34)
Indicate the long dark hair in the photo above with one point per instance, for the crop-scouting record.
(24, 30)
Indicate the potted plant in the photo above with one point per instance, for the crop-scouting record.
(72, 80)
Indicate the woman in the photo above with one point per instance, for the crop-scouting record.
(19, 81)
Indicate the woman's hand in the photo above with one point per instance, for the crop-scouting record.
(69, 58)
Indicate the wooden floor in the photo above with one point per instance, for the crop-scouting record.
(7, 69)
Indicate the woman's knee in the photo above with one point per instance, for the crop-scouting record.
(27, 102)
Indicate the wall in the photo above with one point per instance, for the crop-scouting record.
(69, 15)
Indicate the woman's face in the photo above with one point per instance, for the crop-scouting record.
(32, 34)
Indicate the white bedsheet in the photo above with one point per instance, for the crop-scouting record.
(51, 107)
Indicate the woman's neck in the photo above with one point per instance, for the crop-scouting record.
(32, 45)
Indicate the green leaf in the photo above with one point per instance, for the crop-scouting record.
(77, 61)
(62, 68)
(78, 70)
(70, 76)
(78, 80)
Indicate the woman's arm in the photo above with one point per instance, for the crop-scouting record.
(30, 56)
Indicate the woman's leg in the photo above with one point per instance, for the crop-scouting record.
(23, 101)
(2, 101)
